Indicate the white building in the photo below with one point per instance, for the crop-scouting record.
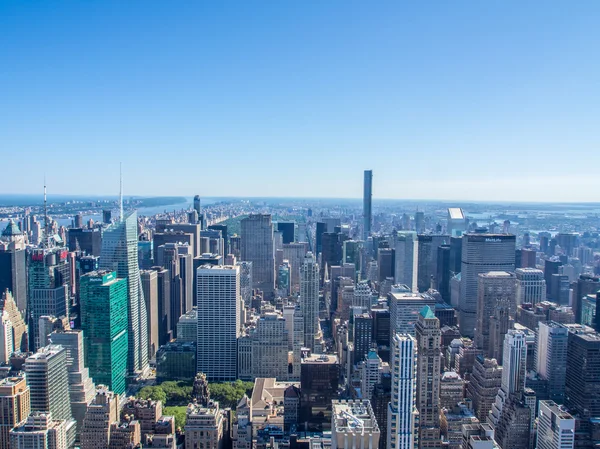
(270, 347)
(556, 427)
(371, 370)
(353, 425)
(219, 309)
(402, 411)
(204, 426)
(40, 431)
(531, 285)
(405, 307)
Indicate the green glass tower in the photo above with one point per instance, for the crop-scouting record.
(104, 312)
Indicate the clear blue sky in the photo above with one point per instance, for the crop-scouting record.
(446, 99)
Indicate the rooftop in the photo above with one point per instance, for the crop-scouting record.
(354, 416)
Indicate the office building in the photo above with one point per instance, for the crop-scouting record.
(104, 311)
(385, 263)
(451, 422)
(150, 288)
(40, 430)
(88, 240)
(309, 299)
(582, 395)
(81, 386)
(367, 199)
(101, 413)
(49, 279)
(48, 380)
(511, 415)
(556, 427)
(486, 380)
(176, 361)
(319, 378)
(246, 281)
(270, 347)
(14, 406)
(125, 435)
(165, 321)
(224, 235)
(551, 357)
(167, 231)
(443, 272)
(406, 259)
(528, 258)
(551, 266)
(405, 307)
(427, 254)
(353, 425)
(452, 389)
(204, 426)
(219, 309)
(493, 288)
(14, 329)
(457, 222)
(531, 286)
(585, 285)
(119, 253)
(428, 337)
(362, 333)
(402, 412)
(13, 270)
(481, 253)
(287, 231)
(257, 247)
(478, 436)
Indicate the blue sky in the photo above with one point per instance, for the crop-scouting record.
(480, 100)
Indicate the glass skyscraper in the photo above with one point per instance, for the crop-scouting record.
(120, 254)
(104, 320)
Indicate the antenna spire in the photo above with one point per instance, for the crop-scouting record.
(121, 190)
(46, 232)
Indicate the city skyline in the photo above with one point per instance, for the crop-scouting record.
(447, 91)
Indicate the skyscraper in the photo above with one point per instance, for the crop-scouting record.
(401, 425)
(556, 428)
(309, 298)
(48, 280)
(582, 395)
(14, 328)
(427, 248)
(406, 267)
(493, 288)
(48, 381)
(119, 254)
(14, 406)
(481, 252)
(219, 309)
(13, 275)
(81, 386)
(257, 247)
(367, 198)
(551, 357)
(104, 310)
(428, 339)
(150, 288)
(531, 286)
(101, 413)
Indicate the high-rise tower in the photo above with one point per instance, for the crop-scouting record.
(402, 411)
(481, 252)
(104, 311)
(257, 247)
(219, 309)
(120, 254)
(309, 298)
(428, 336)
(367, 198)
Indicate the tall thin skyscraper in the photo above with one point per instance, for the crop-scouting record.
(401, 426)
(257, 247)
(481, 252)
(13, 275)
(120, 254)
(150, 288)
(219, 309)
(367, 199)
(428, 336)
(309, 298)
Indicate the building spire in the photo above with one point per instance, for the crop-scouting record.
(46, 230)
(121, 191)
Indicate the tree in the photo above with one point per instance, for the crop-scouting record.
(156, 393)
(228, 394)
